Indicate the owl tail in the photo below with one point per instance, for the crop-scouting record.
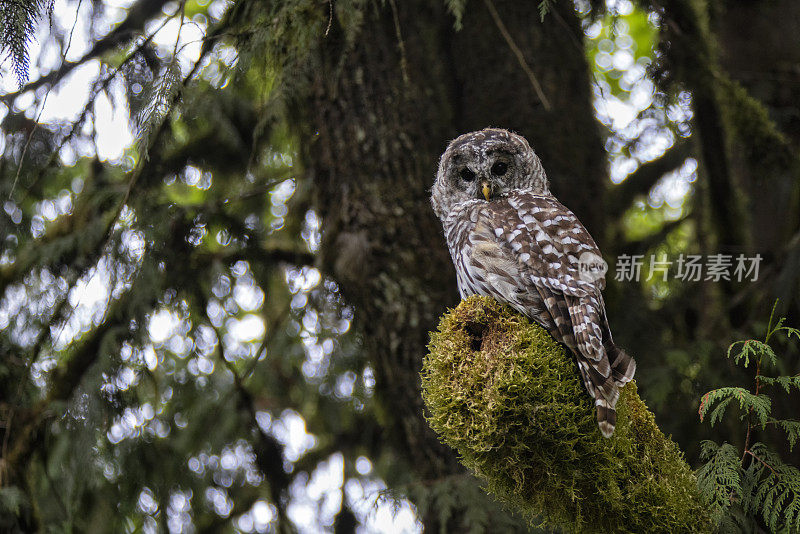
(606, 416)
(623, 368)
(605, 393)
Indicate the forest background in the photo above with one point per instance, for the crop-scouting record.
(219, 265)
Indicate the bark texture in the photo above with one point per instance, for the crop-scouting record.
(382, 114)
(760, 51)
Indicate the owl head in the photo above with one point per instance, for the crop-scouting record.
(486, 165)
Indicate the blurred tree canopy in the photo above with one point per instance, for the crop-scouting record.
(219, 266)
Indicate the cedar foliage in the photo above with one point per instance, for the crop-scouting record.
(19, 20)
(754, 484)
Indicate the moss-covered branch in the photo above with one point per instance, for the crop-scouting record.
(508, 398)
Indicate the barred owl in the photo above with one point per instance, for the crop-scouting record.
(510, 239)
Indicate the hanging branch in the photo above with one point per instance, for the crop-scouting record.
(537, 87)
(138, 15)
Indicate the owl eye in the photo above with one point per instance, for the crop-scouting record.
(467, 175)
(499, 168)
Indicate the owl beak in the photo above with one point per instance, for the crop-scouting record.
(486, 189)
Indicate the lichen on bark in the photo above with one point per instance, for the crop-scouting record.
(508, 398)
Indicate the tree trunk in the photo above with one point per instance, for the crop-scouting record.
(381, 114)
(759, 49)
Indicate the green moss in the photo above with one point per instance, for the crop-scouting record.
(508, 398)
(763, 143)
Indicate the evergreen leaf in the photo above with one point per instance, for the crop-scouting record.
(18, 22)
(752, 348)
(719, 411)
(776, 490)
(760, 405)
(792, 429)
(161, 98)
(719, 479)
(544, 8)
(786, 382)
(779, 325)
(456, 8)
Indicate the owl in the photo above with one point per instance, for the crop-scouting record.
(510, 239)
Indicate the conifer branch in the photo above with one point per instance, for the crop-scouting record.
(99, 87)
(734, 487)
(18, 22)
(66, 378)
(138, 15)
(268, 450)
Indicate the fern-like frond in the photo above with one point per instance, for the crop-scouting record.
(756, 485)
(718, 411)
(788, 383)
(719, 479)
(779, 326)
(788, 329)
(792, 429)
(18, 22)
(162, 96)
(776, 490)
(758, 405)
(456, 8)
(544, 8)
(752, 348)
(791, 332)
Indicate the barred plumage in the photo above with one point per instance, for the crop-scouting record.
(512, 240)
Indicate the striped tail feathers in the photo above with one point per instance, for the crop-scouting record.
(623, 366)
(556, 313)
(583, 327)
(606, 396)
(605, 390)
(605, 393)
(606, 417)
(597, 384)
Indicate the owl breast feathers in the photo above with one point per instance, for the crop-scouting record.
(510, 239)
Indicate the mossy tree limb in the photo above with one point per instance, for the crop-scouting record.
(509, 399)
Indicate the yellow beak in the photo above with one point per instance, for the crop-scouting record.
(487, 191)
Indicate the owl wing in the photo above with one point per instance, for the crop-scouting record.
(538, 242)
(547, 240)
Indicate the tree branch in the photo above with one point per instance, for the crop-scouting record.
(534, 422)
(512, 45)
(63, 382)
(262, 255)
(268, 450)
(695, 56)
(640, 246)
(138, 15)
(640, 181)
